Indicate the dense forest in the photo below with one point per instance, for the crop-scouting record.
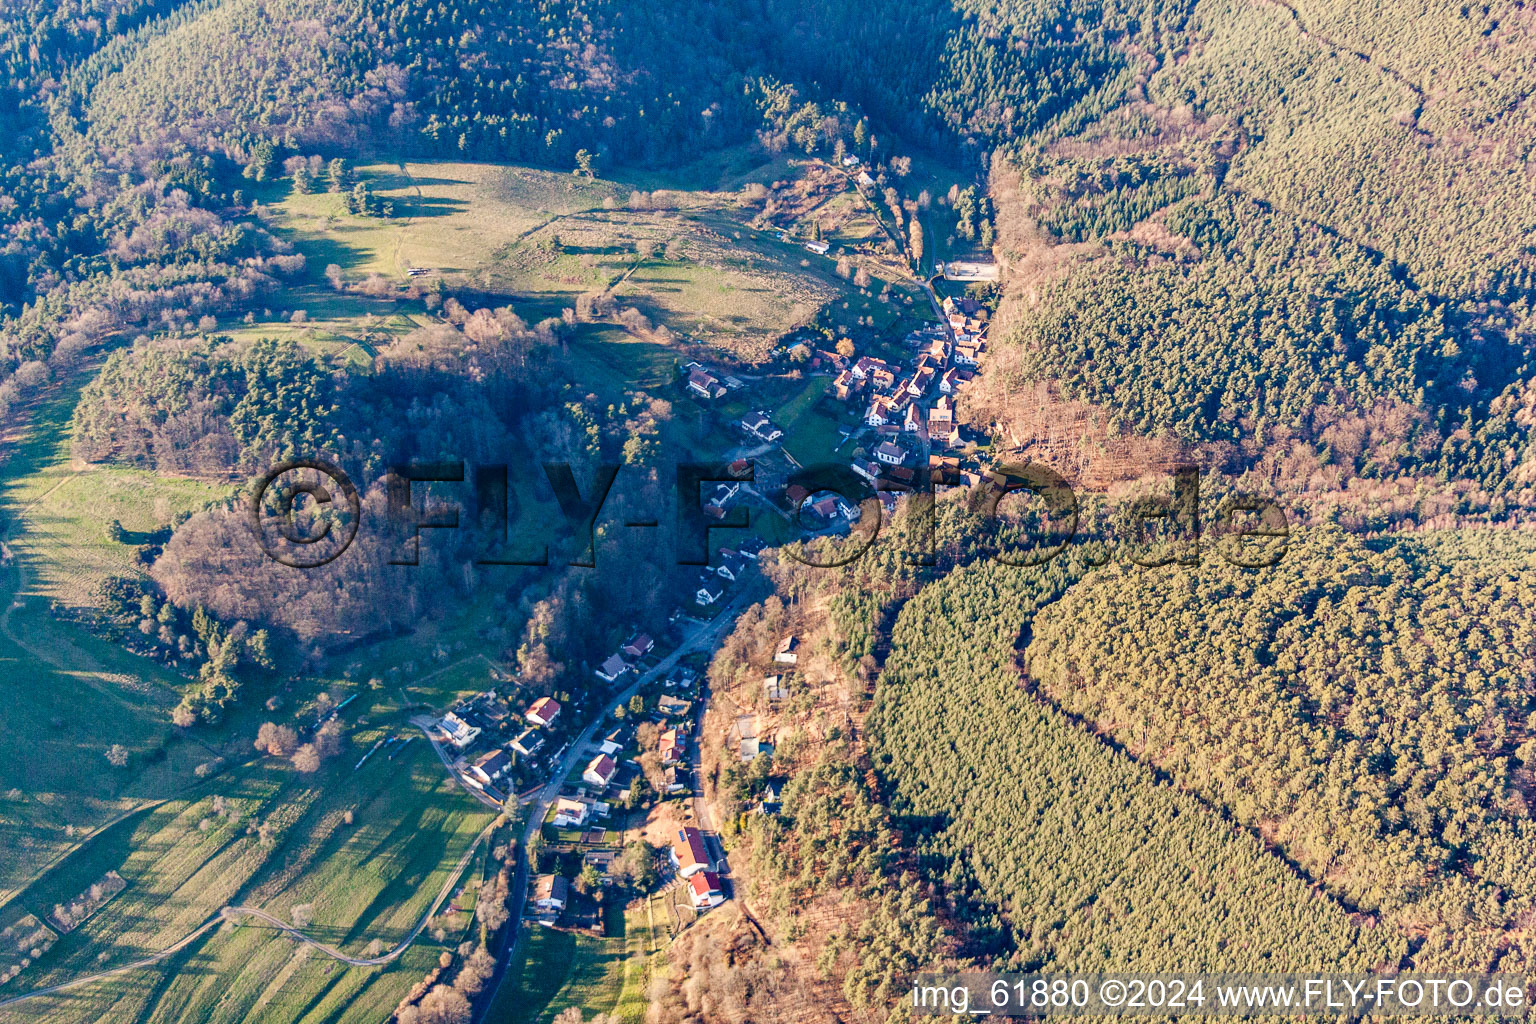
(1074, 855)
(1305, 232)
(1368, 712)
(146, 131)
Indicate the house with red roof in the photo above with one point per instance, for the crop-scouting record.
(600, 771)
(689, 855)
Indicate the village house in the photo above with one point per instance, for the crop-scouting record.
(890, 454)
(709, 591)
(551, 893)
(705, 384)
(672, 707)
(674, 782)
(528, 742)
(610, 670)
(720, 499)
(788, 651)
(731, 567)
(459, 732)
(843, 386)
(912, 422)
(681, 677)
(832, 508)
(876, 371)
(921, 381)
(638, 646)
(753, 747)
(868, 470)
(818, 247)
(600, 771)
(570, 813)
(879, 412)
(944, 470)
(543, 712)
(950, 382)
(670, 747)
(704, 891)
(968, 353)
(761, 427)
(600, 861)
(834, 360)
(864, 180)
(488, 768)
(774, 689)
(942, 428)
(689, 855)
(770, 801)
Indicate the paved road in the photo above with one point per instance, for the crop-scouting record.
(229, 913)
(709, 632)
(425, 723)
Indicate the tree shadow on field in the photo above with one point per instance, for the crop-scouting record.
(426, 207)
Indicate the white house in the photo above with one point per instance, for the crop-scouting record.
(913, 422)
(731, 567)
(788, 651)
(551, 893)
(705, 384)
(528, 742)
(638, 647)
(612, 669)
(543, 712)
(600, 771)
(689, 855)
(704, 890)
(819, 248)
(890, 454)
(868, 470)
(709, 592)
(761, 427)
(569, 813)
(879, 413)
(460, 733)
(675, 783)
(490, 767)
(774, 689)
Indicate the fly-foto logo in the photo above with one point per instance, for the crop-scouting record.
(307, 512)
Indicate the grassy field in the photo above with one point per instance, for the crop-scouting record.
(563, 969)
(537, 239)
(275, 838)
(266, 837)
(69, 695)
